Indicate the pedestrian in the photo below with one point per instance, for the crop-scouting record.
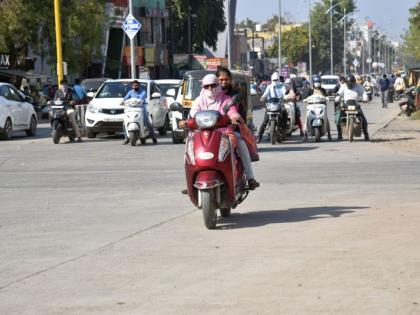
(384, 86)
(399, 85)
(80, 91)
(391, 89)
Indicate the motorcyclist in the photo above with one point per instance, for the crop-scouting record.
(317, 89)
(351, 91)
(399, 85)
(137, 92)
(291, 95)
(212, 97)
(66, 95)
(275, 90)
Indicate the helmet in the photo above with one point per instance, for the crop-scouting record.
(275, 76)
(351, 81)
(316, 81)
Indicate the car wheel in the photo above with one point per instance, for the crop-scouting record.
(90, 133)
(7, 130)
(31, 132)
(164, 130)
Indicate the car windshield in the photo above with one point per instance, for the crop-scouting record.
(166, 87)
(329, 81)
(92, 85)
(193, 89)
(117, 89)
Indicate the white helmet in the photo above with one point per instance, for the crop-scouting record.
(275, 76)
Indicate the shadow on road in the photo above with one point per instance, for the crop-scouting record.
(379, 140)
(262, 218)
(280, 148)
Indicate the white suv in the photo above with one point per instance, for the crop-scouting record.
(105, 114)
(16, 113)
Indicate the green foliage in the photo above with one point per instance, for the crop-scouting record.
(247, 24)
(321, 34)
(207, 21)
(28, 23)
(295, 45)
(271, 23)
(412, 37)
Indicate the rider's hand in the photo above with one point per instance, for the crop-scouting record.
(72, 102)
(182, 123)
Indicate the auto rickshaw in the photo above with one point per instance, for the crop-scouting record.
(190, 89)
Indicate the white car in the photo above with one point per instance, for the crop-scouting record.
(105, 113)
(16, 113)
(329, 82)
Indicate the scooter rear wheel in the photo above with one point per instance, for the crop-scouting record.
(225, 212)
(209, 208)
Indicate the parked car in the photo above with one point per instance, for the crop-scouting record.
(16, 113)
(329, 82)
(105, 113)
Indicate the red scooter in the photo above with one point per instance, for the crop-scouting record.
(215, 175)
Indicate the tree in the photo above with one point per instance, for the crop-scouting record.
(30, 24)
(294, 44)
(247, 24)
(207, 21)
(321, 34)
(412, 36)
(271, 23)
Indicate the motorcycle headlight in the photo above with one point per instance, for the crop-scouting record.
(224, 148)
(93, 109)
(273, 107)
(206, 119)
(189, 151)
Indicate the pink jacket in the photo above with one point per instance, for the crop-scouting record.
(201, 103)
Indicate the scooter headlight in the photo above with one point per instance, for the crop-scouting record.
(93, 109)
(273, 107)
(224, 148)
(189, 151)
(206, 119)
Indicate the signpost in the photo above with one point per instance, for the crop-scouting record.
(131, 27)
(4, 61)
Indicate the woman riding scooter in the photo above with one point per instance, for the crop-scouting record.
(213, 98)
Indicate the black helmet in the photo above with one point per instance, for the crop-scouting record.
(351, 81)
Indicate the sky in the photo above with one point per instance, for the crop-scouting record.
(390, 16)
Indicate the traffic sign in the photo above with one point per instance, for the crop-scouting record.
(131, 26)
(355, 62)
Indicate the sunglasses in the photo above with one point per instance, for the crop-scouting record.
(210, 86)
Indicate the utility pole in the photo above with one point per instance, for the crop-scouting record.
(310, 42)
(58, 41)
(370, 51)
(344, 45)
(280, 65)
(132, 46)
(229, 37)
(331, 36)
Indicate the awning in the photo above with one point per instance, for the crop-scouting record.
(22, 74)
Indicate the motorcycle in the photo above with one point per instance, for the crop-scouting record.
(369, 93)
(408, 104)
(134, 121)
(276, 120)
(60, 122)
(291, 118)
(179, 113)
(317, 123)
(215, 175)
(351, 122)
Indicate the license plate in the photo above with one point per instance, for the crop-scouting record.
(111, 119)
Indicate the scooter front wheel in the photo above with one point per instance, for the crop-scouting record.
(317, 134)
(133, 138)
(351, 129)
(273, 132)
(56, 134)
(209, 208)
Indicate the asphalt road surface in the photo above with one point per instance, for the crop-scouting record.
(101, 228)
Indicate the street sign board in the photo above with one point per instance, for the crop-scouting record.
(4, 61)
(355, 62)
(131, 26)
(369, 60)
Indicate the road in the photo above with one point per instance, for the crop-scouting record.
(101, 228)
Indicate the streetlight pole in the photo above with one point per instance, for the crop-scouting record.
(310, 42)
(344, 45)
(58, 41)
(331, 38)
(132, 46)
(280, 65)
(229, 37)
